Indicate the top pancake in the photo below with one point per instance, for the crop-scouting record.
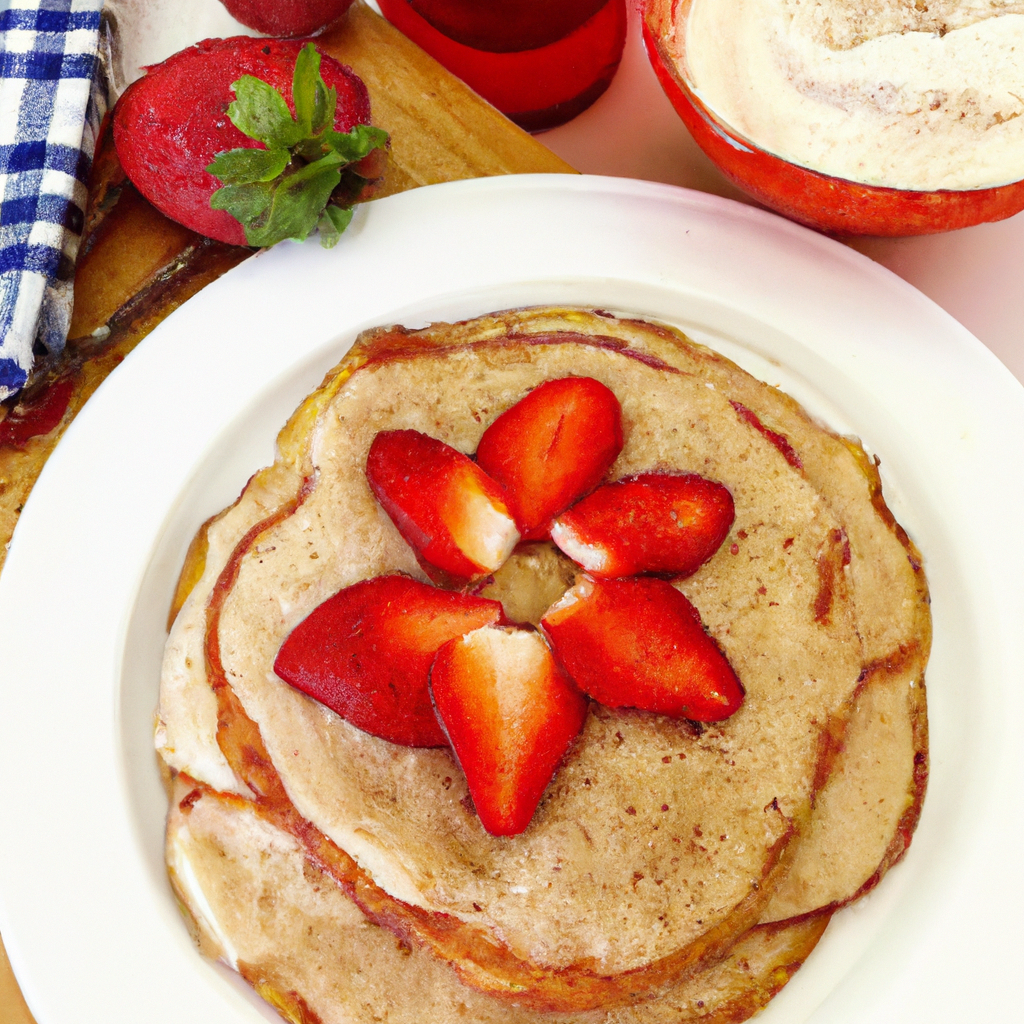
(603, 876)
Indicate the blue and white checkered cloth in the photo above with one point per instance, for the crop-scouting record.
(47, 62)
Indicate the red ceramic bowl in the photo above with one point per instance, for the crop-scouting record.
(834, 205)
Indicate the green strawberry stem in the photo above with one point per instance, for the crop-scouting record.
(306, 177)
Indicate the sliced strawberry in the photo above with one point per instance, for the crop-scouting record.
(447, 508)
(639, 643)
(663, 523)
(551, 448)
(510, 715)
(37, 415)
(366, 653)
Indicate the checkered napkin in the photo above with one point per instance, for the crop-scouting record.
(47, 62)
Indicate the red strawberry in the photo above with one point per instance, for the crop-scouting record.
(448, 509)
(507, 26)
(653, 523)
(510, 715)
(366, 653)
(551, 448)
(292, 151)
(38, 414)
(287, 18)
(640, 643)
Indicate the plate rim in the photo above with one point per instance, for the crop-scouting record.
(405, 219)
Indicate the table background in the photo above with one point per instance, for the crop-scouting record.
(633, 131)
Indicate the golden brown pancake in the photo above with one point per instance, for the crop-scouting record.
(866, 813)
(811, 531)
(630, 859)
(306, 948)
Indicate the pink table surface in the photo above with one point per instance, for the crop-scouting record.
(632, 131)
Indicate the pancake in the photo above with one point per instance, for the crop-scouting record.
(600, 849)
(866, 813)
(258, 905)
(403, 813)
(186, 725)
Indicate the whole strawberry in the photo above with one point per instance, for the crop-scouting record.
(250, 141)
(287, 18)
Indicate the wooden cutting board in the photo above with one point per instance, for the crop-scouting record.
(136, 266)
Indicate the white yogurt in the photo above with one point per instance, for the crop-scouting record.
(895, 95)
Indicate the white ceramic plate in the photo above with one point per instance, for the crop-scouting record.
(86, 914)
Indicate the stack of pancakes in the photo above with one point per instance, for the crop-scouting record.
(671, 871)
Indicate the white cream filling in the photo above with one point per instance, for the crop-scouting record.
(198, 905)
(186, 727)
(862, 95)
(487, 536)
(592, 557)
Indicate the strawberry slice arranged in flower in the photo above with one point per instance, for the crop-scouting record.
(250, 141)
(551, 448)
(662, 523)
(424, 666)
(510, 715)
(366, 653)
(444, 505)
(639, 643)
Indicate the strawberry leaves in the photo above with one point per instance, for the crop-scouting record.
(245, 166)
(260, 110)
(289, 188)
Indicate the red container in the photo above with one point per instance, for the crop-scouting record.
(838, 206)
(535, 60)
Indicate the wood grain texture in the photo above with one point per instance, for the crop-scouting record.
(13, 1009)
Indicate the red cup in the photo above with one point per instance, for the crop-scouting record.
(540, 62)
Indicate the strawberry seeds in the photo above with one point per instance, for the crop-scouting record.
(424, 666)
